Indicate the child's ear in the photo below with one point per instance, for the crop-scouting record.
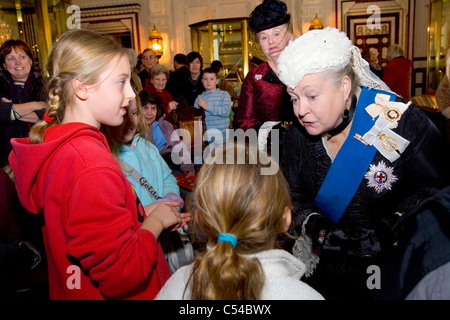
(287, 219)
(80, 89)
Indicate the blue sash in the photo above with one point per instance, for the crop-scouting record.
(351, 164)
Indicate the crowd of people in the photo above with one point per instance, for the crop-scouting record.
(90, 157)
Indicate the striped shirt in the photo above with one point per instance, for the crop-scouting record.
(218, 112)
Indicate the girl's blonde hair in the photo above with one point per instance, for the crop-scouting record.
(236, 199)
(80, 54)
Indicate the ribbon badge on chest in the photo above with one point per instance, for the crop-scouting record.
(380, 177)
(388, 143)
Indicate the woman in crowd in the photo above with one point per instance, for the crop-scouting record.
(23, 94)
(241, 222)
(159, 75)
(397, 73)
(192, 86)
(100, 242)
(358, 157)
(263, 96)
(161, 134)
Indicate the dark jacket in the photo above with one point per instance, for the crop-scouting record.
(20, 235)
(143, 75)
(423, 246)
(34, 90)
(363, 236)
(175, 83)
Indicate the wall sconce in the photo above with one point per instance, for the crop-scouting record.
(316, 24)
(156, 42)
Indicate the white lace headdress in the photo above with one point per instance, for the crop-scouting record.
(323, 50)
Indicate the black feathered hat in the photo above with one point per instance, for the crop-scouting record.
(269, 14)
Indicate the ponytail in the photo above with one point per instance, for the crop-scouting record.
(221, 273)
(236, 214)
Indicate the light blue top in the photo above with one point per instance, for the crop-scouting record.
(218, 112)
(145, 158)
(158, 136)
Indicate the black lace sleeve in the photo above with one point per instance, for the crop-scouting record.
(293, 163)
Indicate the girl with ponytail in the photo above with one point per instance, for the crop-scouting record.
(241, 212)
(101, 243)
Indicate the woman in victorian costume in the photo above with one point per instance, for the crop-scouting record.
(263, 96)
(358, 157)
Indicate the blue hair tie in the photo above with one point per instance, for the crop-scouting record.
(228, 238)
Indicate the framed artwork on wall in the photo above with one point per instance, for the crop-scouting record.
(373, 25)
(379, 36)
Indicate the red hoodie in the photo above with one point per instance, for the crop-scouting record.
(397, 74)
(91, 217)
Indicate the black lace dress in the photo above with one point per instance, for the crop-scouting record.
(362, 237)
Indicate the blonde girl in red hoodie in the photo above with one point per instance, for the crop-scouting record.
(100, 242)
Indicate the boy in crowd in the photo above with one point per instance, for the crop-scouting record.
(217, 106)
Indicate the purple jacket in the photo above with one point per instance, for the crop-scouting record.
(167, 130)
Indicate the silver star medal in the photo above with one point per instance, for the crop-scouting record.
(380, 177)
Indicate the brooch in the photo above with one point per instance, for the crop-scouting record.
(380, 177)
(391, 111)
(388, 143)
(258, 76)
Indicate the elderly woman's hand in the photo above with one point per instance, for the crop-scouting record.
(173, 105)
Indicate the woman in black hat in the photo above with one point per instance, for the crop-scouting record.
(263, 96)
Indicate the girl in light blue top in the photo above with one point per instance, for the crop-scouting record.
(130, 148)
